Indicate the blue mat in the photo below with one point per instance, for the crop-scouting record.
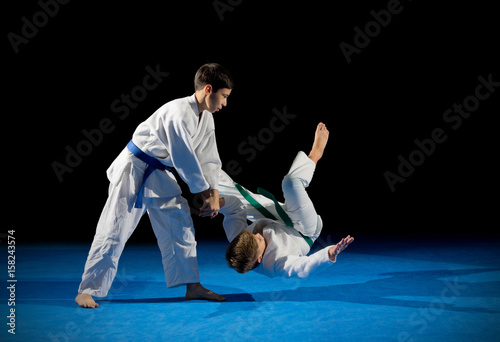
(377, 291)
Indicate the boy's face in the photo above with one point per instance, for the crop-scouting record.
(215, 101)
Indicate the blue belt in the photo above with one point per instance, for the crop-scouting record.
(153, 164)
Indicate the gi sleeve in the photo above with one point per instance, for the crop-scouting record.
(303, 266)
(235, 217)
(209, 159)
(183, 156)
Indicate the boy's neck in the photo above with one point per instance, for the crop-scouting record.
(200, 100)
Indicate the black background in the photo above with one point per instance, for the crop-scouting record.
(281, 54)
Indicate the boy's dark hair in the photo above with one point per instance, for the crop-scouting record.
(215, 75)
(243, 252)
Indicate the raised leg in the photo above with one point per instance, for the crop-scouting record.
(298, 204)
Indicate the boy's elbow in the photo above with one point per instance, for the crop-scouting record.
(298, 274)
(303, 275)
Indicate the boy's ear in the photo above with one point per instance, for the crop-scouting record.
(208, 89)
(259, 259)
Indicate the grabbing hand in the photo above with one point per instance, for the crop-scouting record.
(210, 207)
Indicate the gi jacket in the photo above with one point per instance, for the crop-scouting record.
(176, 136)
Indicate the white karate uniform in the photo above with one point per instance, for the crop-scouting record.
(286, 250)
(178, 137)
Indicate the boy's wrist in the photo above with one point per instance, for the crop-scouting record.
(214, 193)
(206, 194)
(331, 254)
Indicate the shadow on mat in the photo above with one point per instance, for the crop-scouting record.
(69, 303)
(236, 297)
(425, 284)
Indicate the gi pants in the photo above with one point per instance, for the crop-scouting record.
(298, 206)
(171, 221)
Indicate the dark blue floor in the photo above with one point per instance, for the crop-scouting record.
(396, 290)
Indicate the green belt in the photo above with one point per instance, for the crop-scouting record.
(267, 213)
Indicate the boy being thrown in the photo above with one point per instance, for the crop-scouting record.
(278, 246)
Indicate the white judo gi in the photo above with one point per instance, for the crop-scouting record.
(177, 137)
(287, 247)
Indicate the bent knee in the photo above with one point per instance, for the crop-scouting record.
(290, 182)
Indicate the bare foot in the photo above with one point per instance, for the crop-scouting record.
(320, 140)
(196, 291)
(86, 301)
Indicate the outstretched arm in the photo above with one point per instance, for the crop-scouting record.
(303, 266)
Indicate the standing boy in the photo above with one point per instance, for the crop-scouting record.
(180, 135)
